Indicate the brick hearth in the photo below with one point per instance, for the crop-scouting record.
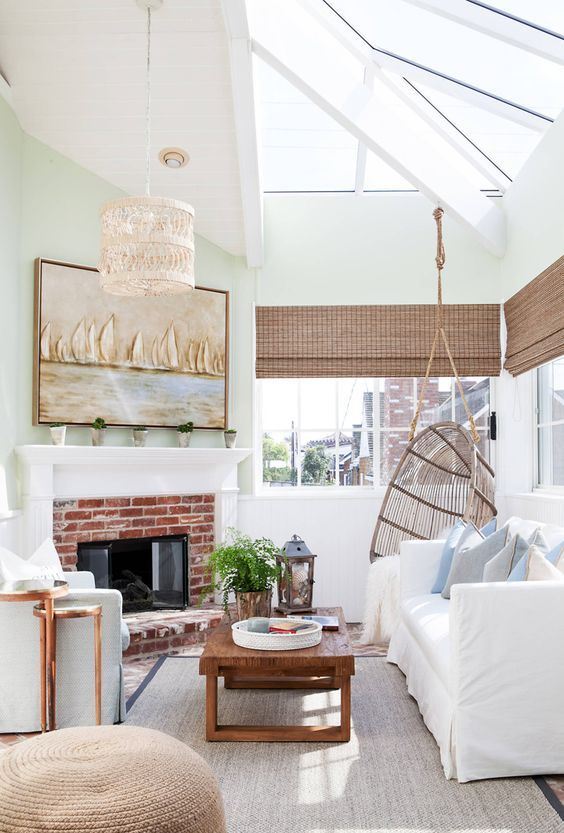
(97, 519)
(170, 631)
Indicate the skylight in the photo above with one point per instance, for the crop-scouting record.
(486, 126)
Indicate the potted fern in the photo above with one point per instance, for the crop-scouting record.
(184, 433)
(247, 568)
(98, 431)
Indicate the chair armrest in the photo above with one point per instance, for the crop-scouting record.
(111, 601)
(419, 565)
(80, 579)
(507, 676)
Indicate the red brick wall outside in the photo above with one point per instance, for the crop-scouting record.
(98, 519)
(398, 409)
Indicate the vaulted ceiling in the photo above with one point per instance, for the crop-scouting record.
(448, 97)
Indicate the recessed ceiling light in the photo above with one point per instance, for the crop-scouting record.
(174, 157)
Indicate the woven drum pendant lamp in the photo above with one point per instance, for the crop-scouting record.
(147, 243)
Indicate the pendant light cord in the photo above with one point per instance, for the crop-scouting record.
(148, 110)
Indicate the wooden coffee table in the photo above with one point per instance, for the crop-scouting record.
(328, 665)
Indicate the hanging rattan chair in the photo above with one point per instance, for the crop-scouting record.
(440, 478)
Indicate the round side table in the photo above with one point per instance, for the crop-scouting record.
(74, 612)
(45, 592)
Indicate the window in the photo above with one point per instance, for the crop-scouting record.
(550, 424)
(352, 432)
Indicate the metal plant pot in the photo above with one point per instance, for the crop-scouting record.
(253, 604)
(98, 436)
(140, 438)
(230, 438)
(184, 438)
(58, 434)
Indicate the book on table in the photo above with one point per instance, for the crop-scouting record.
(328, 623)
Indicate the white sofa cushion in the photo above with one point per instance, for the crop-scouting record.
(427, 619)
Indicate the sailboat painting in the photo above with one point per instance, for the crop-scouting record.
(154, 361)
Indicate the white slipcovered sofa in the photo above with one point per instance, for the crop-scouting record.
(19, 661)
(486, 668)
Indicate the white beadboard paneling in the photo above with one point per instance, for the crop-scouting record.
(337, 529)
(10, 531)
(544, 507)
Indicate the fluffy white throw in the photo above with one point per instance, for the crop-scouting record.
(381, 612)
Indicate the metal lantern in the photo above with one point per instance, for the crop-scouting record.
(295, 585)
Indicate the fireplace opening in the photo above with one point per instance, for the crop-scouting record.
(150, 573)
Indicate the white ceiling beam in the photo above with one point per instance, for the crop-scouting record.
(361, 152)
(283, 41)
(447, 130)
(417, 73)
(246, 129)
(500, 25)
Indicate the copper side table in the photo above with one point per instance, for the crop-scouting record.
(45, 592)
(71, 612)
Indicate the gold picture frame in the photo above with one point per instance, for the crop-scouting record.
(152, 361)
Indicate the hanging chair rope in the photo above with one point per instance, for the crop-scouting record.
(440, 333)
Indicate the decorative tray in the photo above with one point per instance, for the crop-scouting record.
(306, 638)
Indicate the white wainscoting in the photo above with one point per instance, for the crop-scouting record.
(337, 528)
(545, 507)
(10, 531)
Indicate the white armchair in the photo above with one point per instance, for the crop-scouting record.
(19, 661)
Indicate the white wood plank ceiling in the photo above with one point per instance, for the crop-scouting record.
(76, 69)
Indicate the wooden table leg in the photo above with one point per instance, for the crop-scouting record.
(50, 650)
(42, 675)
(345, 708)
(98, 666)
(211, 706)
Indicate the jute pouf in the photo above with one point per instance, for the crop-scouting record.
(112, 779)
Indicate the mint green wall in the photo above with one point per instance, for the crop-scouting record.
(533, 206)
(370, 249)
(10, 306)
(49, 207)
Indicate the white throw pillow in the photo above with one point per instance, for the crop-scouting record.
(539, 569)
(43, 564)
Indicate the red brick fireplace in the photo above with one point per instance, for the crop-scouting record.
(81, 520)
(67, 495)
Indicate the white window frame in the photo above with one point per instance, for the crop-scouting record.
(538, 485)
(370, 492)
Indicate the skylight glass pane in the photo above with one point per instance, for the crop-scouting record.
(546, 13)
(459, 52)
(506, 143)
(380, 177)
(304, 149)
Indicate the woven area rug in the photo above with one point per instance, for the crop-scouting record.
(388, 779)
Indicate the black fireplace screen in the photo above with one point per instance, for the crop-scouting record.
(150, 573)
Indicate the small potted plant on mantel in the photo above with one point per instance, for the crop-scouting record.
(184, 434)
(140, 436)
(230, 436)
(98, 431)
(247, 568)
(58, 433)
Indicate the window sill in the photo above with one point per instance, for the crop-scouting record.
(330, 493)
(555, 494)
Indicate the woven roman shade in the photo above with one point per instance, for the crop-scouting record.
(393, 340)
(535, 321)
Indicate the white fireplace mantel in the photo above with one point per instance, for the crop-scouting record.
(56, 472)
